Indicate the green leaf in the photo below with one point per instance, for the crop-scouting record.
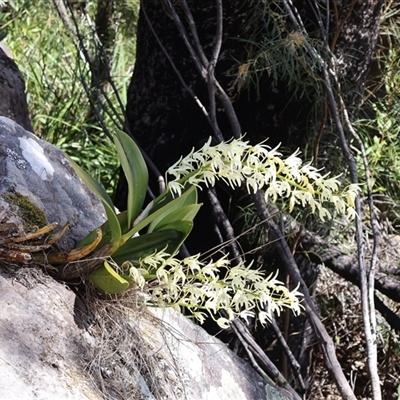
(91, 183)
(186, 213)
(170, 204)
(136, 173)
(185, 227)
(189, 195)
(98, 190)
(161, 212)
(107, 279)
(142, 246)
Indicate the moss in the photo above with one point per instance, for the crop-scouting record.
(32, 216)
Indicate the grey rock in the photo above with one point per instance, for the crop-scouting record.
(200, 366)
(40, 171)
(41, 348)
(53, 348)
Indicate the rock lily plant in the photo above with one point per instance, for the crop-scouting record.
(121, 256)
(166, 222)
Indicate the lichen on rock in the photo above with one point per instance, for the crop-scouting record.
(31, 215)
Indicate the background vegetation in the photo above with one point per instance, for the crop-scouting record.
(59, 82)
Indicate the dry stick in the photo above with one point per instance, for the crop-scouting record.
(324, 339)
(185, 37)
(173, 66)
(62, 12)
(345, 265)
(193, 31)
(220, 92)
(252, 347)
(293, 362)
(178, 74)
(208, 65)
(372, 330)
(366, 301)
(230, 111)
(213, 63)
(238, 325)
(365, 298)
(198, 57)
(229, 232)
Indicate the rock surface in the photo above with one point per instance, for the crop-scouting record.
(202, 367)
(45, 355)
(35, 169)
(41, 348)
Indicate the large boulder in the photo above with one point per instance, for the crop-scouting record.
(38, 186)
(54, 346)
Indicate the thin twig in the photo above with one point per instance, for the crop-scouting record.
(199, 59)
(185, 37)
(366, 300)
(202, 69)
(212, 64)
(244, 336)
(62, 12)
(178, 74)
(292, 359)
(193, 31)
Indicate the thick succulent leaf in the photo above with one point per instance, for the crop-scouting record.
(188, 197)
(161, 212)
(136, 173)
(142, 246)
(186, 213)
(107, 279)
(185, 227)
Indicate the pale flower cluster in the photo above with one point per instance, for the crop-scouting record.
(259, 167)
(243, 292)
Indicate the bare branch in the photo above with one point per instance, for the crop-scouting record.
(223, 221)
(293, 362)
(267, 365)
